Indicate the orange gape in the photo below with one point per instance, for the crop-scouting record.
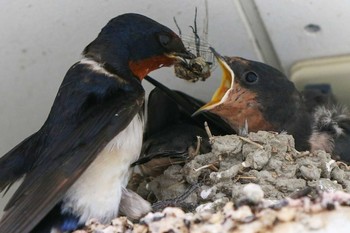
(241, 105)
(143, 67)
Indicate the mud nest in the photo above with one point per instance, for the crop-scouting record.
(242, 176)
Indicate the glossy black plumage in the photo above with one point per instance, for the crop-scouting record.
(170, 135)
(171, 130)
(81, 121)
(97, 99)
(187, 106)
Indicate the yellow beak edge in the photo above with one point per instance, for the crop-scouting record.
(227, 82)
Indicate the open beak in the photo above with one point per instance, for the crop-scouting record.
(227, 82)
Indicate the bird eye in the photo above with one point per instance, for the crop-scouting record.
(251, 77)
(164, 40)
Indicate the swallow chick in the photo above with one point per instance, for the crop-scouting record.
(331, 131)
(77, 165)
(331, 121)
(171, 136)
(257, 96)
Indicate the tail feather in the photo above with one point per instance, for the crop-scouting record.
(15, 163)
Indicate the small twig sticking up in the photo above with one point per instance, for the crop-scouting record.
(194, 152)
(251, 142)
(198, 147)
(207, 129)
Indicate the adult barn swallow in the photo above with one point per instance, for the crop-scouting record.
(260, 96)
(76, 166)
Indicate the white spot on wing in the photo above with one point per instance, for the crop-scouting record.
(95, 66)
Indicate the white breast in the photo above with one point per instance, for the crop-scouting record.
(97, 193)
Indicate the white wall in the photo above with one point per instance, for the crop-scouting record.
(286, 23)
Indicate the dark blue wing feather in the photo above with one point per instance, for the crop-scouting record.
(89, 110)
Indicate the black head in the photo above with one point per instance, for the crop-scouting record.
(267, 84)
(137, 44)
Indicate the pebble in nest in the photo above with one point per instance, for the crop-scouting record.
(322, 214)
